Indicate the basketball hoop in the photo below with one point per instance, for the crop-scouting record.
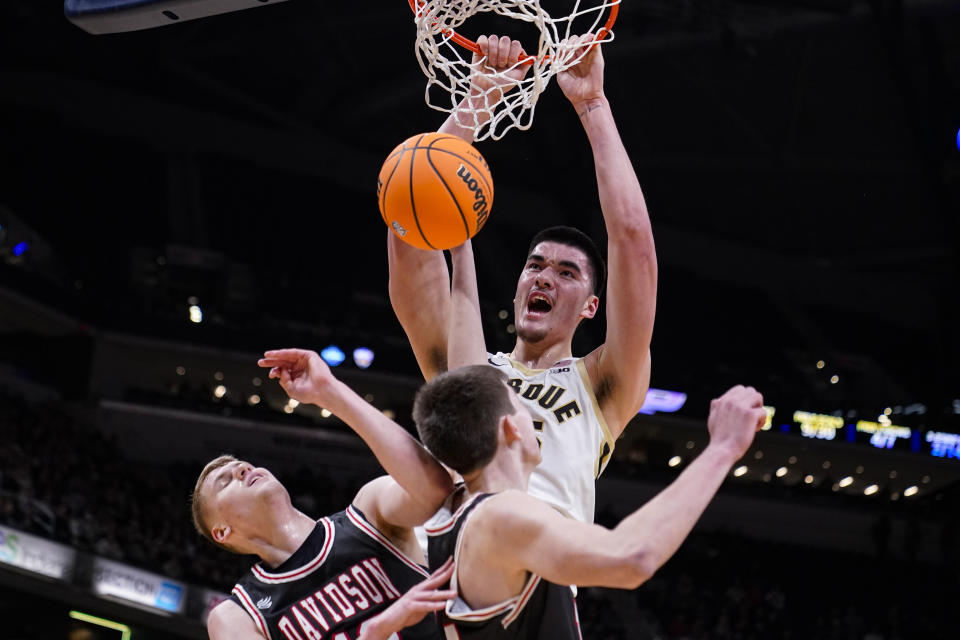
(446, 57)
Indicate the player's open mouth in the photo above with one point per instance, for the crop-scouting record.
(539, 304)
(253, 478)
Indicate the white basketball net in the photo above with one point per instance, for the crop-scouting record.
(448, 67)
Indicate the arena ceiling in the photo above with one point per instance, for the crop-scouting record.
(799, 160)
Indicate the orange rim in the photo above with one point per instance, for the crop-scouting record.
(470, 45)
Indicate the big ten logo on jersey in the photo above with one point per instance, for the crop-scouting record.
(547, 398)
(349, 595)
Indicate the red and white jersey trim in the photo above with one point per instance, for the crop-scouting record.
(251, 608)
(305, 570)
(360, 523)
(443, 526)
(524, 598)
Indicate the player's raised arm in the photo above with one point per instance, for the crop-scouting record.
(523, 534)
(419, 280)
(419, 289)
(465, 336)
(620, 369)
(307, 378)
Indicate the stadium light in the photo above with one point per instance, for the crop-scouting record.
(333, 355)
(782, 471)
(363, 357)
(20, 248)
(675, 461)
(740, 471)
(911, 491)
(196, 314)
(872, 489)
(846, 482)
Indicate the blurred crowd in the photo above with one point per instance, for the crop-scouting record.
(62, 479)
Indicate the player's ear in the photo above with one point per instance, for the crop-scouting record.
(509, 429)
(220, 533)
(590, 307)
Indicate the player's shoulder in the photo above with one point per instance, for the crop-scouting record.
(229, 620)
(512, 511)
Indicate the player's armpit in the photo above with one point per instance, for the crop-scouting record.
(420, 295)
(523, 533)
(228, 621)
(620, 383)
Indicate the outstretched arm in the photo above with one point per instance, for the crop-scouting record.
(307, 378)
(523, 534)
(419, 280)
(620, 368)
(466, 345)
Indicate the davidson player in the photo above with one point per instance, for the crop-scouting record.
(340, 577)
(514, 554)
(580, 406)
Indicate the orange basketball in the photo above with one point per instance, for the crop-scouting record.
(435, 191)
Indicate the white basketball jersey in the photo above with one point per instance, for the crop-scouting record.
(574, 439)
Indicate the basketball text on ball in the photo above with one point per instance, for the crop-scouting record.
(480, 200)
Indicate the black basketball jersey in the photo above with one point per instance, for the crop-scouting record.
(541, 611)
(344, 573)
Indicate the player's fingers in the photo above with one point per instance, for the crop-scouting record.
(492, 43)
(441, 575)
(284, 354)
(504, 47)
(761, 415)
(268, 363)
(515, 52)
(274, 373)
(438, 594)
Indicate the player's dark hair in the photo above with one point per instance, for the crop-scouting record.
(578, 240)
(457, 415)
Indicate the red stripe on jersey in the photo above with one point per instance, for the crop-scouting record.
(305, 570)
(371, 531)
(524, 598)
(247, 603)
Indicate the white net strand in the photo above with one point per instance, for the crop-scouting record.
(449, 68)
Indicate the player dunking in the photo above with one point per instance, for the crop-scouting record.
(341, 577)
(514, 555)
(580, 406)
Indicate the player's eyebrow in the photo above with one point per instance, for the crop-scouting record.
(536, 257)
(571, 265)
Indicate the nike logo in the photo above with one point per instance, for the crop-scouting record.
(496, 364)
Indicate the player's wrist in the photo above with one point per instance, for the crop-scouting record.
(727, 453)
(586, 106)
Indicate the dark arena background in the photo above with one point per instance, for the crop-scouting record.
(174, 201)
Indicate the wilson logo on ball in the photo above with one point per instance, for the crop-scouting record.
(480, 201)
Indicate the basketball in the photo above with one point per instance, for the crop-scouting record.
(435, 191)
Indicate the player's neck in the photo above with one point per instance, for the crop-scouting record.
(284, 534)
(505, 471)
(540, 355)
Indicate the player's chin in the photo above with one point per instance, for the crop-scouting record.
(532, 332)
